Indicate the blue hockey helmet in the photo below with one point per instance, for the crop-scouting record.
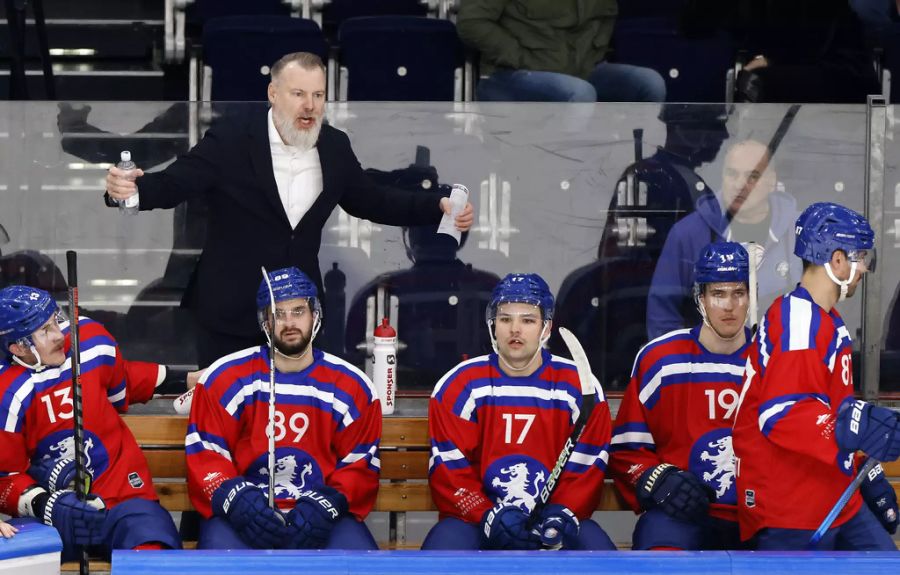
(23, 310)
(522, 288)
(722, 262)
(287, 283)
(825, 227)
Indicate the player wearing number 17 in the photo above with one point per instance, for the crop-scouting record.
(798, 427)
(498, 424)
(671, 443)
(327, 426)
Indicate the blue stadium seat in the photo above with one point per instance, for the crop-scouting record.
(240, 49)
(335, 12)
(201, 11)
(400, 58)
(694, 68)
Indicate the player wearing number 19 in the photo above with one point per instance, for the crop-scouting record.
(671, 443)
(327, 427)
(37, 449)
(497, 425)
(798, 425)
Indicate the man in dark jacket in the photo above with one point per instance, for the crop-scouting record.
(551, 51)
(271, 182)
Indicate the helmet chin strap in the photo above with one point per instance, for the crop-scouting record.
(844, 285)
(545, 335)
(38, 366)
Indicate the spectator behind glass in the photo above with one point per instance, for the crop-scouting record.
(748, 208)
(551, 51)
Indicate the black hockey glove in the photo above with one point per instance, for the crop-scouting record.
(676, 492)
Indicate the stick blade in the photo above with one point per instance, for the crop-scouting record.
(585, 375)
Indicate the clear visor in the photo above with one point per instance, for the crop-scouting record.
(726, 296)
(46, 333)
(865, 257)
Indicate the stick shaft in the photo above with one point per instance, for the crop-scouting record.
(841, 502)
(82, 485)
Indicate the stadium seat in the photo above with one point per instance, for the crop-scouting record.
(404, 58)
(336, 12)
(694, 68)
(238, 51)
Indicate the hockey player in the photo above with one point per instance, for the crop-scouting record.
(497, 425)
(327, 428)
(798, 426)
(671, 443)
(37, 466)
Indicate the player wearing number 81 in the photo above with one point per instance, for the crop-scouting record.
(671, 442)
(798, 425)
(327, 427)
(497, 424)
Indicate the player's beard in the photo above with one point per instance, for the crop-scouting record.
(292, 349)
(294, 136)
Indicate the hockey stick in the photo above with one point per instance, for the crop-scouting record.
(754, 296)
(841, 502)
(270, 428)
(588, 400)
(82, 483)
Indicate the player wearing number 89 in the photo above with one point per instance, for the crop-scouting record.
(327, 427)
(497, 425)
(798, 426)
(37, 448)
(671, 442)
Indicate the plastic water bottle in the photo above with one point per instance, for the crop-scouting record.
(129, 205)
(459, 195)
(384, 357)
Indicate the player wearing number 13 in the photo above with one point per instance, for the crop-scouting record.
(671, 443)
(327, 427)
(497, 425)
(798, 425)
(37, 448)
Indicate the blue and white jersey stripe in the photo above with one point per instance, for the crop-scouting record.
(776, 408)
(684, 368)
(446, 453)
(196, 441)
(630, 436)
(367, 451)
(586, 456)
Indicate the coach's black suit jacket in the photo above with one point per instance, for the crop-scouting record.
(248, 227)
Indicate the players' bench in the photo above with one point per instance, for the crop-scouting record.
(404, 471)
(404, 467)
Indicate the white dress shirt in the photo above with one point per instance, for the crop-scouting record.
(298, 175)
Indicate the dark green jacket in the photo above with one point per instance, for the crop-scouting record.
(566, 36)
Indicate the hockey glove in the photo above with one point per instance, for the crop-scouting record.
(246, 508)
(878, 494)
(559, 527)
(869, 428)
(678, 493)
(311, 520)
(54, 475)
(506, 527)
(78, 522)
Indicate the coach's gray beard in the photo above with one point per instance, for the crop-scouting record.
(293, 136)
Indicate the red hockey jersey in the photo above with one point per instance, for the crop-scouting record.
(790, 470)
(495, 438)
(678, 408)
(37, 413)
(327, 429)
